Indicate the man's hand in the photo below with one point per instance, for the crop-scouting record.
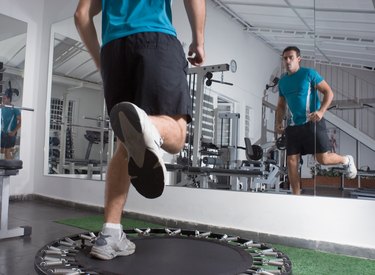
(196, 12)
(12, 133)
(196, 55)
(279, 129)
(316, 116)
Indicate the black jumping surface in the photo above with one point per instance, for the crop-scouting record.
(172, 255)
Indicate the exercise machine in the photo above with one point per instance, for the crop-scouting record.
(9, 168)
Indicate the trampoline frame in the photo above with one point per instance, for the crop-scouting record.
(58, 257)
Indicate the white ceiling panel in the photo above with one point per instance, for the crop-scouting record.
(349, 24)
(345, 4)
(257, 2)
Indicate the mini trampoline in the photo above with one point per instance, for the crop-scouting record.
(165, 252)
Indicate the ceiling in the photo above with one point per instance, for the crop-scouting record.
(12, 42)
(344, 29)
(344, 32)
(337, 32)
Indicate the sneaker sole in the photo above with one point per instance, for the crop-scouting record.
(104, 256)
(148, 180)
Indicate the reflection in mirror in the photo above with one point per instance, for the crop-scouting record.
(252, 162)
(12, 61)
(79, 136)
(345, 57)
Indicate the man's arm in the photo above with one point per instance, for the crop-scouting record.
(280, 113)
(18, 126)
(196, 11)
(326, 90)
(83, 18)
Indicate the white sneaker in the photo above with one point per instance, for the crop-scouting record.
(106, 247)
(350, 169)
(143, 142)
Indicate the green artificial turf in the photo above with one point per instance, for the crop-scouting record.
(304, 261)
(312, 262)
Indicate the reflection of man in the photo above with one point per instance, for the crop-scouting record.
(306, 132)
(10, 124)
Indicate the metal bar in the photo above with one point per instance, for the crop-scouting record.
(16, 107)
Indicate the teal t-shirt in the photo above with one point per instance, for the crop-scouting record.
(121, 18)
(300, 93)
(9, 119)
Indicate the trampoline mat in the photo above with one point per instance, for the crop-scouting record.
(173, 255)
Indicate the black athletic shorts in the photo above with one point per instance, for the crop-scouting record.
(7, 141)
(302, 139)
(148, 69)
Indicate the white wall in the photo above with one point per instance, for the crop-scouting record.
(343, 221)
(29, 12)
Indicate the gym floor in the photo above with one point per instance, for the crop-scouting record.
(17, 254)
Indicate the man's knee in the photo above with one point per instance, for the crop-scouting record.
(293, 161)
(322, 158)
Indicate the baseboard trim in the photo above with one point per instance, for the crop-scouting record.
(354, 251)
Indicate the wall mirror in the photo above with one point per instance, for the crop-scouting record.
(341, 53)
(12, 62)
(277, 24)
(79, 140)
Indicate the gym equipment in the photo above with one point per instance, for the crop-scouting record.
(363, 193)
(281, 142)
(197, 76)
(359, 192)
(275, 81)
(10, 91)
(269, 180)
(203, 174)
(9, 168)
(209, 80)
(256, 152)
(165, 251)
(220, 167)
(94, 137)
(232, 146)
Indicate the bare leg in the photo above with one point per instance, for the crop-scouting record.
(172, 130)
(112, 242)
(8, 153)
(294, 178)
(331, 158)
(117, 185)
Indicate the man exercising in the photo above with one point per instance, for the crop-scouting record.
(306, 132)
(144, 69)
(10, 124)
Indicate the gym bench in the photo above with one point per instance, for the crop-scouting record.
(9, 168)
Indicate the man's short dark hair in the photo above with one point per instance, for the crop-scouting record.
(292, 48)
(8, 93)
